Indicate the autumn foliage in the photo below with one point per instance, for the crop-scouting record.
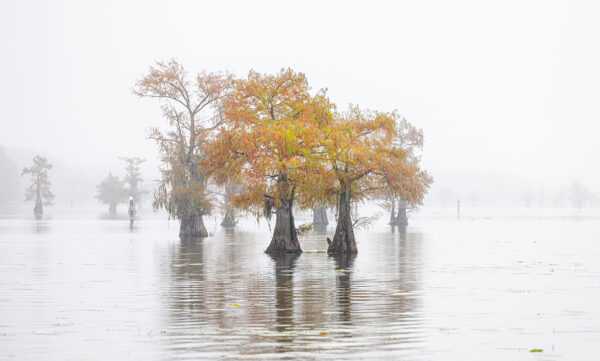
(269, 140)
(285, 145)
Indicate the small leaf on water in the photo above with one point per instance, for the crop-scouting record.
(163, 331)
(536, 350)
(323, 333)
(235, 304)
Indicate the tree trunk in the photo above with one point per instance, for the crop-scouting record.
(38, 210)
(393, 213)
(401, 217)
(343, 240)
(112, 209)
(229, 219)
(284, 238)
(192, 226)
(320, 216)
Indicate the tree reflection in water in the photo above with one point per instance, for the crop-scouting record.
(284, 292)
(343, 263)
(226, 297)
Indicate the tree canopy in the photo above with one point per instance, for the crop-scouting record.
(39, 188)
(191, 106)
(283, 143)
(112, 191)
(269, 140)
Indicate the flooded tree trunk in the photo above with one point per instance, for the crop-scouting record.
(38, 210)
(192, 226)
(393, 213)
(112, 209)
(401, 217)
(320, 216)
(284, 238)
(229, 219)
(343, 240)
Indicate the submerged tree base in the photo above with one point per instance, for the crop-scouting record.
(343, 243)
(38, 210)
(228, 220)
(285, 239)
(343, 240)
(401, 218)
(192, 226)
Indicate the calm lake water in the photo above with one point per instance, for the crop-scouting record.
(490, 286)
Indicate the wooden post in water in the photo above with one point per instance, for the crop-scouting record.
(131, 212)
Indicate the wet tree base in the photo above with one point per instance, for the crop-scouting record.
(340, 248)
(192, 227)
(285, 239)
(228, 221)
(278, 248)
(343, 240)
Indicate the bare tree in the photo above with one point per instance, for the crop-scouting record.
(192, 108)
(133, 177)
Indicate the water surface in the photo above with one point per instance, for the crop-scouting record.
(493, 285)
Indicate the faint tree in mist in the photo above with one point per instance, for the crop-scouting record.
(527, 197)
(112, 191)
(39, 189)
(133, 177)
(474, 198)
(192, 107)
(579, 194)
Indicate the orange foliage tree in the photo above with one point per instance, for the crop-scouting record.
(364, 160)
(415, 181)
(192, 109)
(269, 140)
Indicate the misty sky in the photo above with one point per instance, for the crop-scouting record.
(509, 86)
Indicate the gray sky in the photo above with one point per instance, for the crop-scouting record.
(507, 86)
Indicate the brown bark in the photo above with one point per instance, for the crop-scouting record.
(192, 226)
(320, 216)
(343, 240)
(401, 217)
(284, 238)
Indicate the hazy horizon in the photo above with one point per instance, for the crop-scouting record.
(494, 91)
